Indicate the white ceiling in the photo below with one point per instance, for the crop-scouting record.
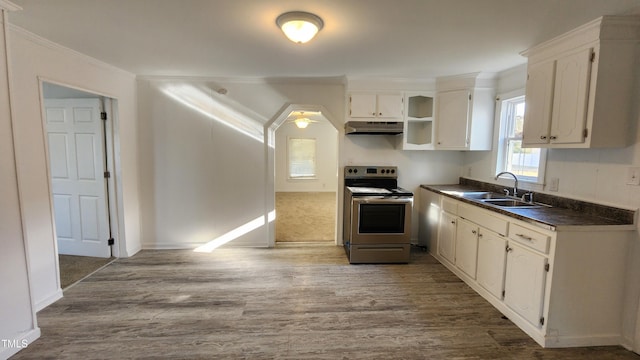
(361, 38)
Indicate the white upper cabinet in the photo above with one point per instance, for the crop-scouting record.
(579, 86)
(418, 121)
(539, 103)
(453, 118)
(376, 105)
(571, 96)
(464, 113)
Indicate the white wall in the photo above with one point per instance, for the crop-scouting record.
(596, 175)
(201, 178)
(18, 317)
(326, 137)
(32, 59)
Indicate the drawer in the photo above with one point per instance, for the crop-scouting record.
(528, 237)
(483, 218)
(450, 205)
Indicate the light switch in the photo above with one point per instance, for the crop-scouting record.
(633, 176)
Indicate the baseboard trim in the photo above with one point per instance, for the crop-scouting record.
(21, 341)
(582, 341)
(57, 295)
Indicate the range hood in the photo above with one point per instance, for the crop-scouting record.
(373, 127)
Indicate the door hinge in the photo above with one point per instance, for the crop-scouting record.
(103, 115)
(585, 133)
(107, 174)
(593, 57)
(503, 294)
(546, 267)
(111, 242)
(542, 320)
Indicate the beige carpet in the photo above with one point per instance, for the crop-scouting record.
(75, 268)
(305, 216)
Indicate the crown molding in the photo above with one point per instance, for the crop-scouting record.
(330, 80)
(37, 39)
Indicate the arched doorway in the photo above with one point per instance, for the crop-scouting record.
(302, 176)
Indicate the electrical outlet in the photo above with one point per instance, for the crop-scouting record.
(554, 183)
(633, 176)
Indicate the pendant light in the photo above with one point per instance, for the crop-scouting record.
(299, 26)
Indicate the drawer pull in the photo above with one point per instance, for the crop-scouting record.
(528, 238)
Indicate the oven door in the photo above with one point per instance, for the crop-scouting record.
(381, 219)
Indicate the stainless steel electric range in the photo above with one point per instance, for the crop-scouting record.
(377, 215)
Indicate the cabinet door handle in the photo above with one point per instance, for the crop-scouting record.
(473, 231)
(528, 238)
(379, 114)
(374, 114)
(543, 137)
(479, 235)
(508, 249)
(453, 221)
(552, 137)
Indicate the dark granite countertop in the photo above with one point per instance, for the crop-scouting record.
(563, 213)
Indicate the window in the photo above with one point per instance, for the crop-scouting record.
(527, 163)
(301, 158)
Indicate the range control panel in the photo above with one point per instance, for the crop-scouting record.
(360, 172)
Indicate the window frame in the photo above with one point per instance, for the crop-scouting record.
(315, 159)
(502, 158)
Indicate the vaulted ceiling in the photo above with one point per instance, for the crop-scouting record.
(361, 38)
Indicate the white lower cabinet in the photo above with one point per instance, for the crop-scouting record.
(525, 282)
(563, 288)
(467, 247)
(492, 257)
(447, 236)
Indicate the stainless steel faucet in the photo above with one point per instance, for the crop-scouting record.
(515, 186)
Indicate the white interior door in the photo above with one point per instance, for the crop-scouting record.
(77, 165)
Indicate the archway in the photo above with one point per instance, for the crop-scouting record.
(271, 155)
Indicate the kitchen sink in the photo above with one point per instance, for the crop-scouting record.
(495, 199)
(482, 195)
(504, 202)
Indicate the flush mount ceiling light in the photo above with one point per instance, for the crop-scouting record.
(302, 123)
(299, 26)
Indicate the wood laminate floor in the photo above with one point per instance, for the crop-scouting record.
(299, 302)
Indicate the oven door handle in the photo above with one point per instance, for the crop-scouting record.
(383, 200)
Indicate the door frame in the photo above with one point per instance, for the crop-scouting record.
(270, 169)
(113, 163)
